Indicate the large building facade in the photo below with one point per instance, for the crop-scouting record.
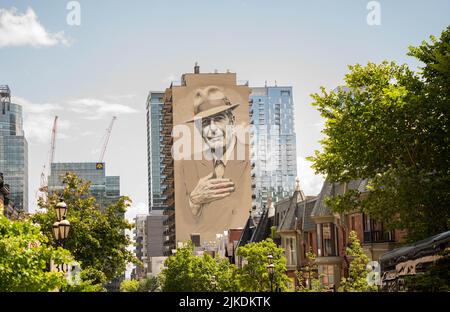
(13, 150)
(198, 111)
(106, 189)
(274, 158)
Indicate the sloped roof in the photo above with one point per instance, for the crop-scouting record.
(296, 204)
(330, 189)
(262, 230)
(288, 222)
(247, 233)
(309, 224)
(320, 209)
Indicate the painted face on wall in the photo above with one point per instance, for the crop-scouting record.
(217, 129)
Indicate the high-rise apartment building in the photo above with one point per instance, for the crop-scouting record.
(154, 124)
(155, 219)
(274, 159)
(140, 237)
(106, 189)
(13, 150)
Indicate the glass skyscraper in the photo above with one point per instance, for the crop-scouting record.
(105, 189)
(274, 159)
(13, 150)
(154, 124)
(155, 219)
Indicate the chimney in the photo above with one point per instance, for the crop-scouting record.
(196, 68)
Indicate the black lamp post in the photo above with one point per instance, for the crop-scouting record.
(62, 226)
(271, 270)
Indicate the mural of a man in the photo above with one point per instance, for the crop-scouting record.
(216, 179)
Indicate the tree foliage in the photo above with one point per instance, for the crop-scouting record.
(97, 237)
(129, 286)
(308, 277)
(187, 272)
(149, 284)
(25, 255)
(390, 125)
(358, 271)
(254, 276)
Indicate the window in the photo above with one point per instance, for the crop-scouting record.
(290, 251)
(327, 240)
(310, 240)
(326, 272)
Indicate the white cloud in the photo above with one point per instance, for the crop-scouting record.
(135, 209)
(309, 181)
(96, 109)
(38, 120)
(25, 29)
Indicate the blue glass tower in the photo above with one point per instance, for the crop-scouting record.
(274, 156)
(13, 150)
(154, 125)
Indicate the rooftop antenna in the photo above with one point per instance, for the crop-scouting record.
(196, 68)
(275, 83)
(265, 84)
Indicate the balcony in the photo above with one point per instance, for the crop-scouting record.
(378, 237)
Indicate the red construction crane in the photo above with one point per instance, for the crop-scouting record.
(107, 136)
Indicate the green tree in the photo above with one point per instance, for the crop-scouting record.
(254, 276)
(389, 124)
(149, 284)
(97, 237)
(186, 272)
(129, 286)
(25, 257)
(308, 276)
(358, 272)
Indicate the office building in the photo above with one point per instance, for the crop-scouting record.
(106, 189)
(274, 159)
(13, 150)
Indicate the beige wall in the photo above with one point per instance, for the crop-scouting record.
(223, 214)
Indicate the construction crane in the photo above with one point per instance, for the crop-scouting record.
(107, 136)
(51, 155)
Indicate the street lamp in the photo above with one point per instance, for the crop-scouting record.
(61, 210)
(271, 270)
(62, 226)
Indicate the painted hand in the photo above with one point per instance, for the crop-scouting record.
(207, 190)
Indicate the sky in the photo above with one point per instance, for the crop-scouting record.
(121, 50)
